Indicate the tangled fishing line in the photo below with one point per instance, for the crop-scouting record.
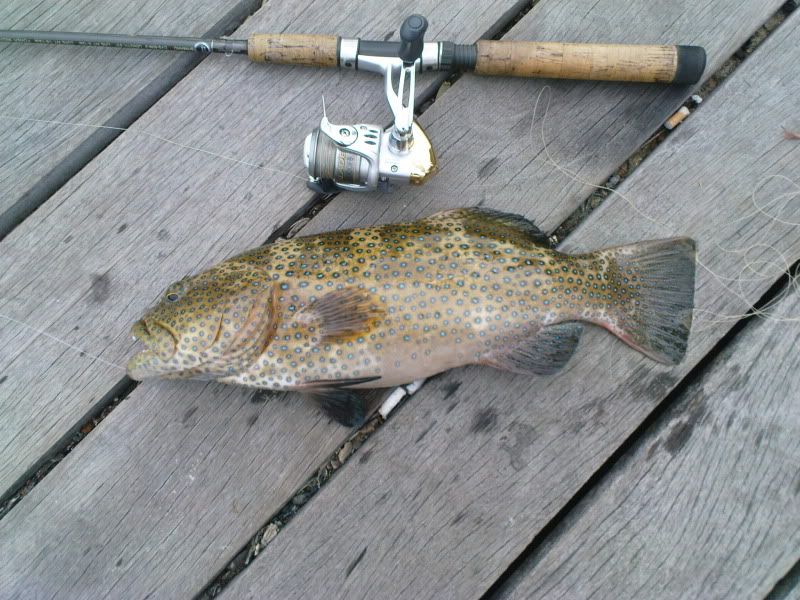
(752, 270)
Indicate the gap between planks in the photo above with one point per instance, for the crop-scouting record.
(120, 391)
(788, 586)
(282, 517)
(529, 557)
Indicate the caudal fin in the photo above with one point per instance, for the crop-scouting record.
(651, 286)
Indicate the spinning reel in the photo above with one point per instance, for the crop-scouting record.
(364, 157)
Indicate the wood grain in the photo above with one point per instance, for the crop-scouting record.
(142, 214)
(294, 49)
(172, 212)
(489, 146)
(447, 494)
(147, 212)
(592, 62)
(98, 86)
(705, 506)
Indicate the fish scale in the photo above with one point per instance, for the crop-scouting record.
(382, 306)
(451, 293)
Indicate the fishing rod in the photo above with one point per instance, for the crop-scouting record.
(363, 157)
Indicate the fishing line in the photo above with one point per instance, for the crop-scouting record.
(159, 138)
(788, 196)
(59, 340)
(763, 312)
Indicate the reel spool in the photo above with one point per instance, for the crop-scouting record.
(364, 157)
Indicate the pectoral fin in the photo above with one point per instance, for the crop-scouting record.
(544, 353)
(342, 313)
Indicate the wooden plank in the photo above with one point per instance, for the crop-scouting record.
(154, 501)
(490, 148)
(100, 86)
(146, 238)
(705, 506)
(449, 492)
(171, 474)
(145, 212)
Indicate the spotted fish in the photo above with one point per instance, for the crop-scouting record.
(381, 306)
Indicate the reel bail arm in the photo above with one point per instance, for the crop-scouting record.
(363, 157)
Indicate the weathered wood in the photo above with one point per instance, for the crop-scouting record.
(489, 148)
(140, 215)
(705, 506)
(99, 86)
(449, 492)
(166, 197)
(145, 213)
(149, 503)
(294, 49)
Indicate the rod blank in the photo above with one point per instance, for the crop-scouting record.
(150, 42)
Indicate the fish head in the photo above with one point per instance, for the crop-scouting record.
(210, 325)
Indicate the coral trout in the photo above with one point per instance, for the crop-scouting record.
(382, 306)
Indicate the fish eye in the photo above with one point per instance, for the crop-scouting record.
(176, 291)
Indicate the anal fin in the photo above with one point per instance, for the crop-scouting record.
(543, 353)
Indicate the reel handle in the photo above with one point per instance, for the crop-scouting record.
(412, 33)
(594, 62)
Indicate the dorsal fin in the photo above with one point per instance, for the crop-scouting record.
(479, 218)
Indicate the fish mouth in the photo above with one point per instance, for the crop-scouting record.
(161, 344)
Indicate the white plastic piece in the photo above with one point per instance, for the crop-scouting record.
(414, 386)
(391, 402)
(697, 99)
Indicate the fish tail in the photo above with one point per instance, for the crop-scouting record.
(647, 293)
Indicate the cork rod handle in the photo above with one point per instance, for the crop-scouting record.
(294, 49)
(597, 62)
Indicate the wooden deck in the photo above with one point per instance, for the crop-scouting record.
(615, 478)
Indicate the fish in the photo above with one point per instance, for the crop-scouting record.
(338, 312)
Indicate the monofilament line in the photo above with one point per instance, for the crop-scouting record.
(156, 137)
(60, 341)
(753, 267)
